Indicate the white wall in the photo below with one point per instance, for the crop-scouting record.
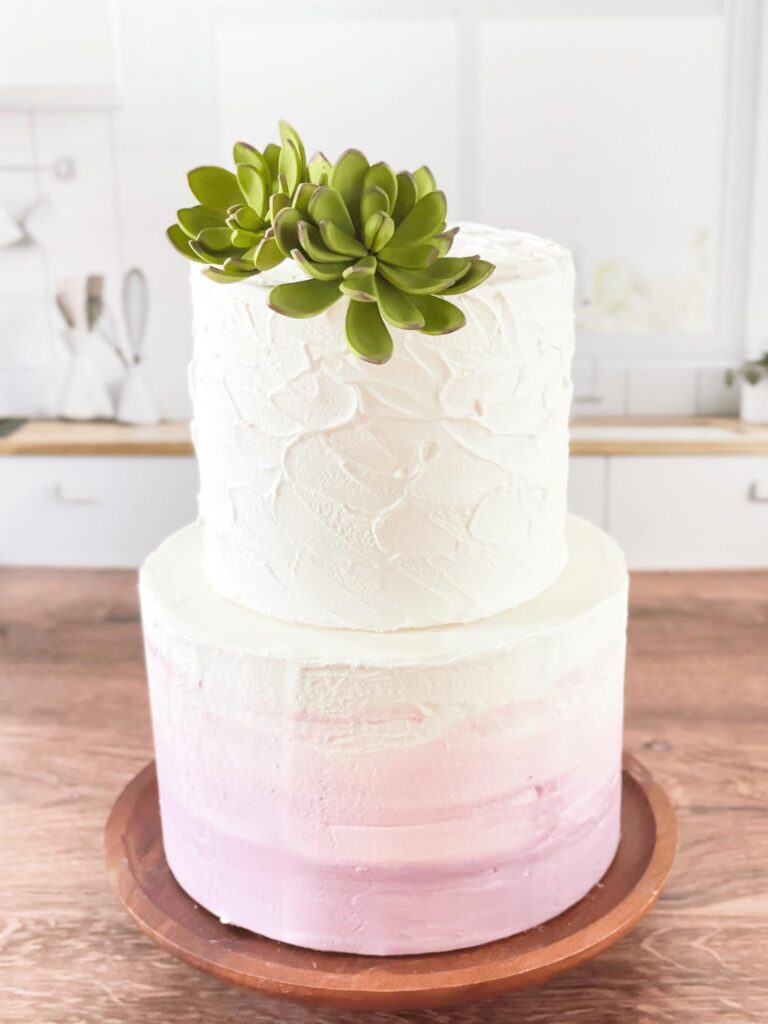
(623, 128)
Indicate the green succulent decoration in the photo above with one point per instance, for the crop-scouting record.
(231, 229)
(357, 230)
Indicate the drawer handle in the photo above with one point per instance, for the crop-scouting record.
(754, 495)
(70, 498)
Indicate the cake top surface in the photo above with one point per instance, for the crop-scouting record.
(516, 255)
(173, 584)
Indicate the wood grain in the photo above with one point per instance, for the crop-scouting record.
(74, 728)
(55, 437)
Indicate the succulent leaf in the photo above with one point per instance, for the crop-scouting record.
(444, 241)
(366, 333)
(180, 240)
(383, 234)
(476, 273)
(286, 229)
(312, 243)
(215, 188)
(341, 242)
(216, 239)
(302, 196)
(246, 239)
(240, 267)
(406, 196)
(396, 307)
(208, 255)
(268, 254)
(195, 219)
(382, 176)
(411, 257)
(248, 219)
(255, 187)
(436, 278)
(440, 317)
(373, 200)
(363, 268)
(319, 169)
(218, 275)
(423, 221)
(303, 299)
(347, 176)
(327, 204)
(361, 288)
(371, 227)
(425, 182)
(320, 271)
(244, 153)
(277, 201)
(272, 156)
(289, 134)
(290, 167)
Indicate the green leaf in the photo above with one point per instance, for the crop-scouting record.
(319, 169)
(221, 277)
(425, 182)
(303, 299)
(346, 177)
(440, 317)
(412, 257)
(382, 176)
(208, 255)
(255, 187)
(268, 254)
(320, 271)
(327, 204)
(312, 243)
(286, 228)
(475, 274)
(444, 241)
(180, 241)
(272, 156)
(195, 219)
(423, 221)
(288, 134)
(436, 278)
(246, 239)
(302, 196)
(216, 239)
(340, 241)
(246, 154)
(373, 200)
(383, 234)
(290, 166)
(277, 201)
(366, 333)
(396, 307)
(360, 288)
(363, 268)
(371, 227)
(406, 196)
(214, 188)
(248, 219)
(241, 267)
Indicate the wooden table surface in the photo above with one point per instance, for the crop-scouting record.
(74, 728)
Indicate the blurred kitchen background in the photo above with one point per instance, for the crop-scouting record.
(633, 131)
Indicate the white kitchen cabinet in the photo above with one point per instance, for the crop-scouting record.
(91, 510)
(690, 512)
(587, 478)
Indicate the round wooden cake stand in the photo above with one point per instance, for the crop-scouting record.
(149, 892)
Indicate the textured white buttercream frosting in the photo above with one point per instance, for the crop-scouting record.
(430, 490)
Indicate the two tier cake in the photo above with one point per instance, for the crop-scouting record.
(386, 670)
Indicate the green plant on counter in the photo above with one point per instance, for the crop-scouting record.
(752, 371)
(357, 230)
(231, 230)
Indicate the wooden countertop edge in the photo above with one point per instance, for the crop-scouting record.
(41, 437)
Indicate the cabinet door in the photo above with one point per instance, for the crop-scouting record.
(586, 487)
(75, 510)
(690, 512)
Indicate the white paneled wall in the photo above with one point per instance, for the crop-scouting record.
(608, 124)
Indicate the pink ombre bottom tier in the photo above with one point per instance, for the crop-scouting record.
(388, 793)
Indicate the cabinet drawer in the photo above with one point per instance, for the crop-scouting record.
(88, 510)
(690, 512)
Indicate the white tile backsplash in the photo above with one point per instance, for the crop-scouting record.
(15, 130)
(24, 333)
(599, 389)
(714, 397)
(57, 134)
(661, 390)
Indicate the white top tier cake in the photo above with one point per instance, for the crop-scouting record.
(427, 490)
